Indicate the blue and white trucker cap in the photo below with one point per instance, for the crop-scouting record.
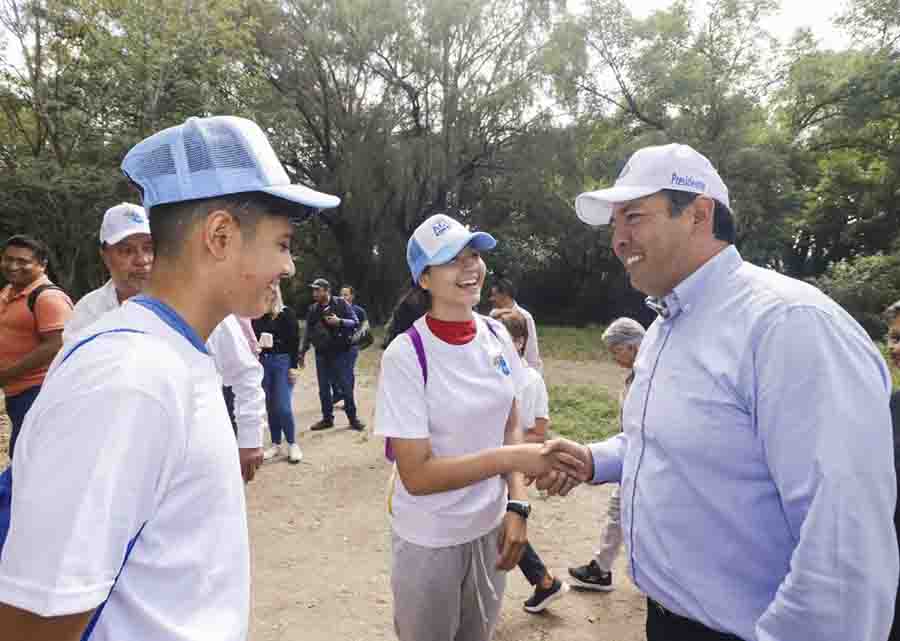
(648, 171)
(216, 156)
(122, 221)
(438, 240)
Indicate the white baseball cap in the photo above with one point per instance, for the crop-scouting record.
(438, 240)
(648, 171)
(216, 156)
(122, 221)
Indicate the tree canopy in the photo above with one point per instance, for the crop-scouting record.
(498, 112)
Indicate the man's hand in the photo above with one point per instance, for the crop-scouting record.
(332, 321)
(251, 459)
(555, 483)
(294, 374)
(511, 541)
(301, 361)
(562, 449)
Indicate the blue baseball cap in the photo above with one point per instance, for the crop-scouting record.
(438, 240)
(217, 156)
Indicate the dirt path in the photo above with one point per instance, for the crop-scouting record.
(320, 539)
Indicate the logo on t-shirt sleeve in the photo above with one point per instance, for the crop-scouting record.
(501, 365)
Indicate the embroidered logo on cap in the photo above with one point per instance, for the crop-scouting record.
(688, 181)
(135, 217)
(440, 227)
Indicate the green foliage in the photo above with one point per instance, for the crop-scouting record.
(865, 287)
(583, 413)
(572, 343)
(497, 111)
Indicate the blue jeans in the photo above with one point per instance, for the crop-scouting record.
(336, 369)
(16, 408)
(278, 389)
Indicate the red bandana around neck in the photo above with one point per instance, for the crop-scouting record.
(452, 332)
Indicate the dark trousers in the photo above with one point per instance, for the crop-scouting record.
(337, 394)
(228, 394)
(663, 625)
(532, 566)
(16, 408)
(336, 370)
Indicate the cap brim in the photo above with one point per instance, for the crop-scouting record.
(117, 238)
(479, 240)
(596, 207)
(310, 200)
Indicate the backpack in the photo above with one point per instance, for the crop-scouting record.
(416, 339)
(31, 301)
(6, 478)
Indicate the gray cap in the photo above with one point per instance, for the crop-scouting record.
(320, 283)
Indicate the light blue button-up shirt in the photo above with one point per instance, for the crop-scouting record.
(756, 463)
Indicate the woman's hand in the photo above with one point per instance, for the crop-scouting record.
(511, 541)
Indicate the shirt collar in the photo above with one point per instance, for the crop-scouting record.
(690, 291)
(173, 319)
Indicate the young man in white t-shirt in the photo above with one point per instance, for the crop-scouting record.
(128, 519)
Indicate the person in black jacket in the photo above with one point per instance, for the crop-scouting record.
(279, 337)
(892, 315)
(330, 323)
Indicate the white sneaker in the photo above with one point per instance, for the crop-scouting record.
(270, 452)
(295, 455)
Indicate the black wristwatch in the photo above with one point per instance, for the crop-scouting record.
(522, 508)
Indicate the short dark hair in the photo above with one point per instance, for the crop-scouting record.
(38, 248)
(723, 219)
(169, 222)
(505, 286)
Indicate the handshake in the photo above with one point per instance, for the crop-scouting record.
(556, 466)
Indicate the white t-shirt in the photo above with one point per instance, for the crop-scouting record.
(463, 409)
(532, 399)
(232, 354)
(131, 432)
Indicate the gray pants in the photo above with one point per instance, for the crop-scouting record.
(447, 594)
(611, 535)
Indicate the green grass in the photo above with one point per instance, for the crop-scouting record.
(572, 343)
(583, 413)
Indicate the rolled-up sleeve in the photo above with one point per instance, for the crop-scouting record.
(826, 432)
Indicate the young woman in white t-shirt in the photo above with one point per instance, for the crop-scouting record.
(446, 401)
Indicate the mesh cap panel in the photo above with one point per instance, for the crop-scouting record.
(156, 162)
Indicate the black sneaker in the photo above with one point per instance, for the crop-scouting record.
(591, 577)
(358, 425)
(324, 424)
(543, 597)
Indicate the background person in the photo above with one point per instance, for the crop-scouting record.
(279, 338)
(330, 323)
(892, 315)
(349, 295)
(33, 312)
(622, 339)
(503, 298)
(533, 404)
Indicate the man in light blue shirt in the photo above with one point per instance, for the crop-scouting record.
(756, 465)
